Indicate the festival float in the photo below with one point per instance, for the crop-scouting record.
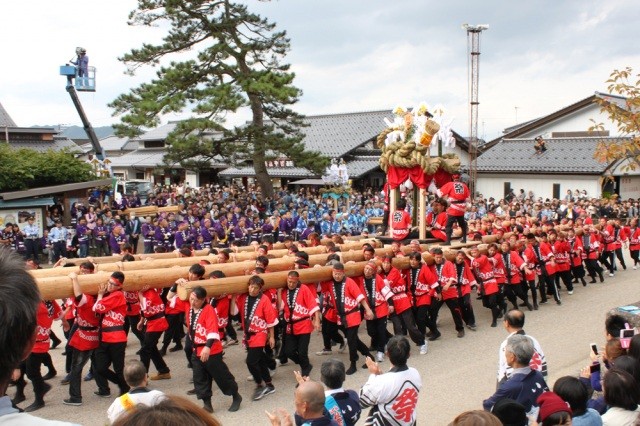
(413, 156)
(337, 183)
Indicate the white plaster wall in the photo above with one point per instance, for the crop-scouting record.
(492, 185)
(579, 121)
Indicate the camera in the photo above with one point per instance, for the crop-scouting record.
(625, 337)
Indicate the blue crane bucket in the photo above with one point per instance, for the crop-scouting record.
(86, 83)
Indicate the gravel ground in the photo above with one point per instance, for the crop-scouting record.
(457, 373)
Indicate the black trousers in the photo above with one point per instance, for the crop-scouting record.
(69, 353)
(258, 365)
(102, 247)
(422, 315)
(566, 278)
(407, 320)
(131, 323)
(34, 361)
(59, 249)
(78, 360)
(134, 243)
(296, 348)
(354, 344)
(461, 310)
(449, 227)
(620, 257)
(149, 352)
(593, 268)
(175, 330)
(635, 256)
(494, 303)
(377, 330)
(514, 291)
(31, 247)
(330, 333)
(547, 283)
(214, 369)
(108, 354)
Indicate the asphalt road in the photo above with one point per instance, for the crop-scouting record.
(457, 373)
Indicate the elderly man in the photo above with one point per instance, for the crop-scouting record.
(525, 385)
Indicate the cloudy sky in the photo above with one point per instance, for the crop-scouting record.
(348, 56)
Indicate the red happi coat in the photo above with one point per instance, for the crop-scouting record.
(483, 268)
(382, 294)
(457, 193)
(44, 318)
(499, 269)
(264, 317)
(576, 251)
(112, 309)
(400, 224)
(562, 255)
(634, 239)
(437, 223)
(424, 287)
(516, 264)
(221, 306)
(152, 309)
(205, 327)
(352, 298)
(531, 258)
(87, 322)
(133, 303)
(592, 249)
(398, 286)
(299, 319)
(461, 286)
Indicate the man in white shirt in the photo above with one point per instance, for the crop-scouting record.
(393, 396)
(513, 322)
(135, 374)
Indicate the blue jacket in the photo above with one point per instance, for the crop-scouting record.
(524, 387)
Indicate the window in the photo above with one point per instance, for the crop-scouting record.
(556, 191)
(507, 189)
(154, 144)
(139, 175)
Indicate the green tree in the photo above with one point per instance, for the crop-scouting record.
(627, 84)
(26, 168)
(237, 64)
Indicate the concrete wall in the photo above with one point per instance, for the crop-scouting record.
(492, 185)
(579, 121)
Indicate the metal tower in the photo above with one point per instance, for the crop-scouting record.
(473, 68)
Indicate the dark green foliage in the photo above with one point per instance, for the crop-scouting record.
(237, 64)
(26, 168)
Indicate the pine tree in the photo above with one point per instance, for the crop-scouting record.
(237, 64)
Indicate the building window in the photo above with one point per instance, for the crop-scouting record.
(154, 144)
(556, 191)
(139, 175)
(507, 189)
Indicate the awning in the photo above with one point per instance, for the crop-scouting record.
(33, 202)
(48, 190)
(317, 182)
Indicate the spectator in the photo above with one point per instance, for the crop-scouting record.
(518, 352)
(576, 394)
(171, 411)
(135, 374)
(19, 302)
(393, 396)
(553, 410)
(621, 393)
(476, 418)
(514, 322)
(510, 412)
(342, 405)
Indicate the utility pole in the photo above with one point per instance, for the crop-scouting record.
(473, 67)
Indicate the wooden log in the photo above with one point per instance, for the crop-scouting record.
(60, 286)
(238, 256)
(149, 210)
(238, 285)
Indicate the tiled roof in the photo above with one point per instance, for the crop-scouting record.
(42, 146)
(159, 133)
(362, 165)
(139, 158)
(563, 155)
(5, 118)
(284, 172)
(336, 134)
(148, 157)
(357, 167)
(114, 143)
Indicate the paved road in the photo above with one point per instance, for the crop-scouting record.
(457, 373)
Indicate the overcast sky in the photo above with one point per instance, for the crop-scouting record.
(348, 56)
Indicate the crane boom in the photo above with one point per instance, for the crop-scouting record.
(85, 122)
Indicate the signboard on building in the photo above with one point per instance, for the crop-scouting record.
(279, 163)
(20, 217)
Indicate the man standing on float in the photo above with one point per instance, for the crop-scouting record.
(457, 194)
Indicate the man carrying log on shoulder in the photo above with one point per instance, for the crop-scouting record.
(457, 194)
